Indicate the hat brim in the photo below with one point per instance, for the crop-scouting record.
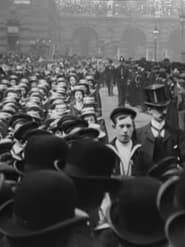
(10, 228)
(175, 229)
(110, 182)
(157, 104)
(165, 198)
(123, 111)
(9, 171)
(18, 165)
(127, 236)
(163, 166)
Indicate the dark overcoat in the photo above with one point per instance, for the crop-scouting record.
(173, 143)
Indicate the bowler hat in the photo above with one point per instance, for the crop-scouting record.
(180, 192)
(64, 119)
(166, 197)
(156, 95)
(83, 133)
(122, 111)
(175, 229)
(90, 160)
(34, 132)
(43, 152)
(24, 128)
(71, 126)
(133, 215)
(45, 202)
(20, 119)
(164, 169)
(10, 172)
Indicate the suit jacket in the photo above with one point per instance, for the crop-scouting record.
(121, 75)
(139, 166)
(173, 143)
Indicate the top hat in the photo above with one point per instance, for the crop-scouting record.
(156, 95)
(45, 202)
(133, 215)
(122, 111)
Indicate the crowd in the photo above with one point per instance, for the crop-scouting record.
(62, 181)
(120, 8)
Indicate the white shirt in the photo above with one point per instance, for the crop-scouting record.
(157, 128)
(125, 151)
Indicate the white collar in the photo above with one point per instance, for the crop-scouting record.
(124, 145)
(157, 125)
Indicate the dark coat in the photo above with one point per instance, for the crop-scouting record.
(139, 166)
(173, 143)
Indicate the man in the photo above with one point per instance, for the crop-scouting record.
(90, 164)
(124, 144)
(109, 75)
(158, 138)
(121, 77)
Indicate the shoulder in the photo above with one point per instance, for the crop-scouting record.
(113, 142)
(142, 129)
(175, 131)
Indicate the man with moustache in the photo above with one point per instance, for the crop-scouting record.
(158, 138)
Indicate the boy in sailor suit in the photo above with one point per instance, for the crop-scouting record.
(130, 154)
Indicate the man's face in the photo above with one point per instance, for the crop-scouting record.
(124, 129)
(78, 96)
(159, 113)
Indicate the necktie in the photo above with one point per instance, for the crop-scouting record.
(158, 131)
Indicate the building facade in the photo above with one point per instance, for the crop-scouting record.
(25, 24)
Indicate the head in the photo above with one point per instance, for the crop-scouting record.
(91, 119)
(78, 95)
(124, 127)
(158, 113)
(72, 81)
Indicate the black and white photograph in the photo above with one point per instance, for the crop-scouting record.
(92, 123)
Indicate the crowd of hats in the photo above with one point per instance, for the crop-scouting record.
(45, 99)
(52, 163)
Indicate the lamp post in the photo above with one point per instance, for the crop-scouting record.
(155, 35)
